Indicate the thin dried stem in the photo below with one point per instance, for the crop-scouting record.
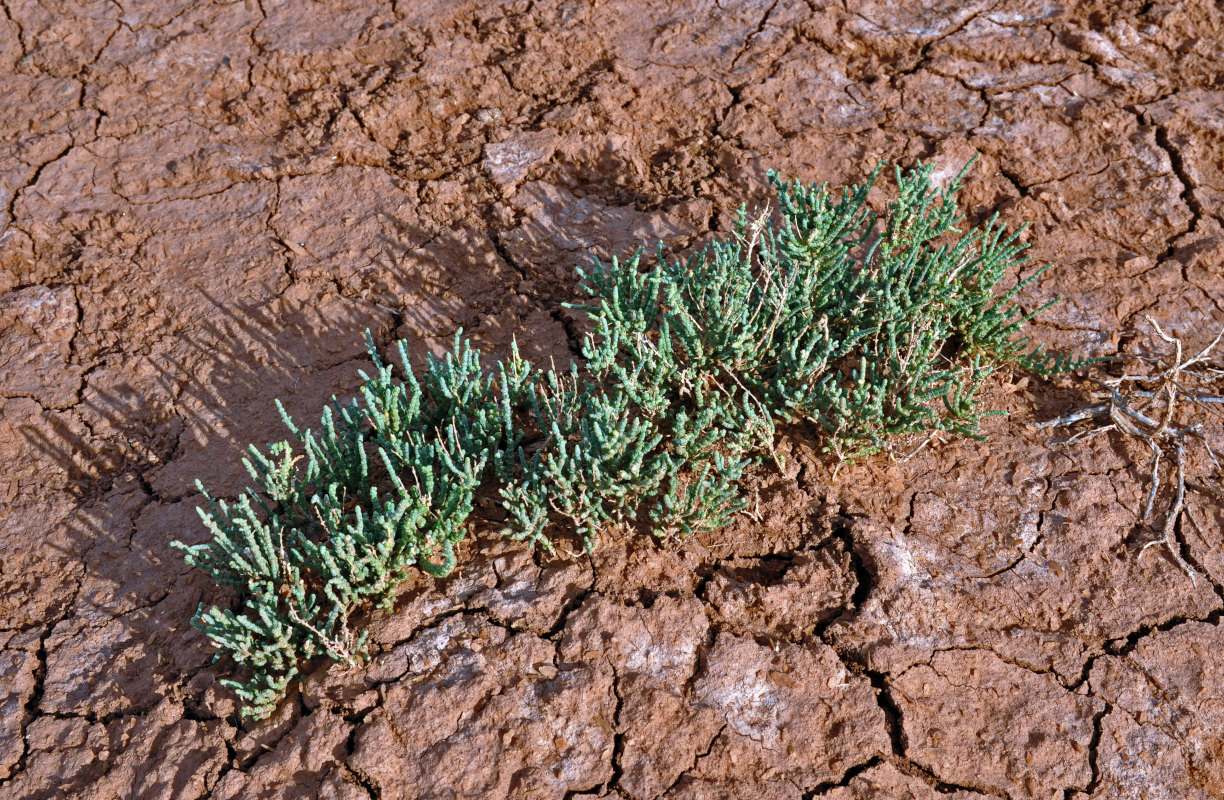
(1169, 537)
(1152, 408)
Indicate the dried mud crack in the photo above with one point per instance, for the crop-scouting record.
(203, 205)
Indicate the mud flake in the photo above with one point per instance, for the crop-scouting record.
(975, 720)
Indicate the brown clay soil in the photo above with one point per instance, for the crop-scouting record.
(203, 204)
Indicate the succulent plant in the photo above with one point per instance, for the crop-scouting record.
(820, 314)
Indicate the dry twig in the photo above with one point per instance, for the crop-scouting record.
(1153, 405)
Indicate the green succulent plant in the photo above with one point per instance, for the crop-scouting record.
(821, 314)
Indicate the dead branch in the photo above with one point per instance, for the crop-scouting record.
(1153, 405)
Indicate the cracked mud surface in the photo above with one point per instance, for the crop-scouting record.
(202, 205)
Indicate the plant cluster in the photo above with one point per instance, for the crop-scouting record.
(817, 315)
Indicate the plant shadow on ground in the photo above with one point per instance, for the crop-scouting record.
(131, 447)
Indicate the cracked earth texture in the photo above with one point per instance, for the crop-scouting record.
(203, 204)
